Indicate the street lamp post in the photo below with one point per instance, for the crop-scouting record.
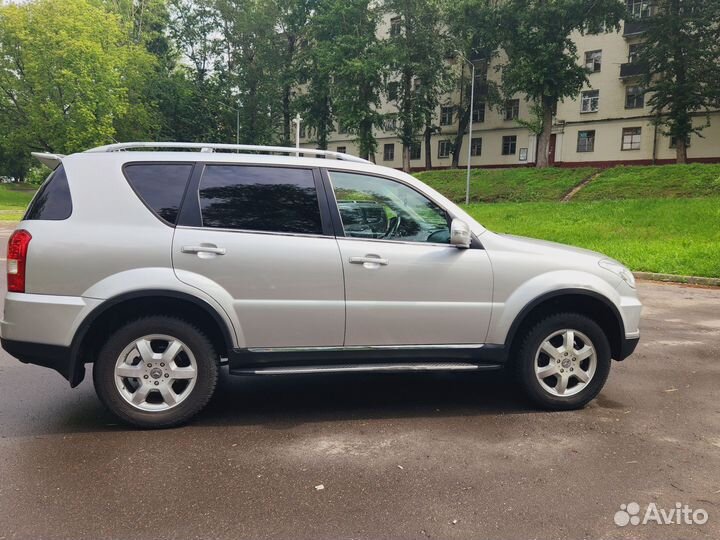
(472, 105)
(297, 121)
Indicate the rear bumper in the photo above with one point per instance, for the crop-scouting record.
(56, 357)
(29, 319)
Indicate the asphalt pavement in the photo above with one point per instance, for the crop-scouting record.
(397, 456)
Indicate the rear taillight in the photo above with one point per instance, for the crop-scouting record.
(17, 259)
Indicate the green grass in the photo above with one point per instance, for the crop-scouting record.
(674, 236)
(14, 198)
(664, 181)
(512, 184)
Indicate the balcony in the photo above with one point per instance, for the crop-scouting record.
(634, 28)
(632, 69)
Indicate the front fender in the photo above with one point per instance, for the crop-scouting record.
(507, 311)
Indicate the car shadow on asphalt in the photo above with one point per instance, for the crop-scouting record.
(288, 400)
(285, 401)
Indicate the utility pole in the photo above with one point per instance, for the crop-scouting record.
(472, 105)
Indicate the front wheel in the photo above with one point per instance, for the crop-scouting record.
(156, 372)
(563, 361)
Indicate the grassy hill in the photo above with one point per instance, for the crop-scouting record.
(667, 181)
(511, 185)
(673, 236)
(525, 184)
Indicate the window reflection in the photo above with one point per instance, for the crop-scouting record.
(378, 208)
(272, 199)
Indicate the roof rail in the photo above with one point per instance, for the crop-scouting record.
(221, 146)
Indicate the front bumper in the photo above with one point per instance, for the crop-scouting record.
(627, 347)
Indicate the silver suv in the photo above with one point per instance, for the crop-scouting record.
(161, 264)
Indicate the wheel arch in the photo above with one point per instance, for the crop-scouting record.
(118, 309)
(582, 301)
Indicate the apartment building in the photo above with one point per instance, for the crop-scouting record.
(608, 123)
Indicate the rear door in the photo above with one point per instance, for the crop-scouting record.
(262, 234)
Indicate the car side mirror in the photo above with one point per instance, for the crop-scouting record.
(460, 235)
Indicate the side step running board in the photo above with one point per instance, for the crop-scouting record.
(368, 368)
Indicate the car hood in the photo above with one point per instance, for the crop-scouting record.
(533, 245)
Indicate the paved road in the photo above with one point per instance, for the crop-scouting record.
(411, 456)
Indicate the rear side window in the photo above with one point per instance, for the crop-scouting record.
(52, 200)
(160, 186)
(273, 199)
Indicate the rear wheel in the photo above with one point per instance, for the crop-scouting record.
(156, 372)
(563, 361)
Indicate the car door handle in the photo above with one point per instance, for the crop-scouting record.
(369, 259)
(203, 249)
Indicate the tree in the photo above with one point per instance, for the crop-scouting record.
(193, 96)
(357, 63)
(541, 58)
(62, 66)
(474, 27)
(681, 55)
(251, 71)
(315, 100)
(417, 48)
(293, 19)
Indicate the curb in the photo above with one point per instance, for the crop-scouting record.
(672, 278)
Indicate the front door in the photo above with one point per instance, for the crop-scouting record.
(404, 283)
(255, 234)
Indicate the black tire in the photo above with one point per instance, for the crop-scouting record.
(206, 359)
(524, 362)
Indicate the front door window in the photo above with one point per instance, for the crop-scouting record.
(382, 209)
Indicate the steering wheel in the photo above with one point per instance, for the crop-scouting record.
(393, 226)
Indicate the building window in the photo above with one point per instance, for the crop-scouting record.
(586, 141)
(631, 138)
(479, 112)
(415, 150)
(634, 52)
(673, 142)
(509, 145)
(511, 111)
(446, 115)
(634, 97)
(342, 149)
(389, 152)
(444, 149)
(639, 8)
(476, 147)
(395, 26)
(390, 123)
(392, 91)
(593, 61)
(590, 101)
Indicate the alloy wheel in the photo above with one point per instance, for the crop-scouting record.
(565, 363)
(155, 373)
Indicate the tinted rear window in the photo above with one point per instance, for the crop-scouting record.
(160, 186)
(274, 199)
(52, 200)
